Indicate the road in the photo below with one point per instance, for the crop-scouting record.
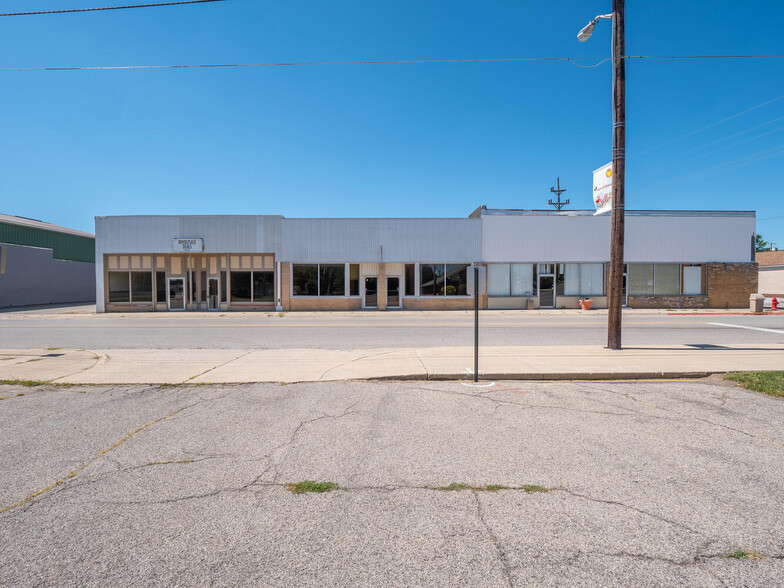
(79, 328)
(642, 484)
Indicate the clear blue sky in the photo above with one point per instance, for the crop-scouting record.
(384, 140)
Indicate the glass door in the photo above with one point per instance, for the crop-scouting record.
(176, 294)
(546, 291)
(393, 292)
(213, 294)
(371, 292)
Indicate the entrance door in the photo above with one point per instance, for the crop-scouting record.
(393, 292)
(371, 292)
(213, 294)
(547, 291)
(176, 293)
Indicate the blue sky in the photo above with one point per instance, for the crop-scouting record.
(384, 140)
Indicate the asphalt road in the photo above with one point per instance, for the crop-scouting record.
(77, 328)
(649, 484)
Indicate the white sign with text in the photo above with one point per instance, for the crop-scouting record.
(602, 189)
(188, 245)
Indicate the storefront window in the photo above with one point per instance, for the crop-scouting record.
(119, 287)
(410, 279)
(640, 278)
(141, 286)
(667, 278)
(263, 287)
(456, 280)
(305, 280)
(160, 286)
(692, 279)
(510, 279)
(240, 287)
(353, 279)
(583, 279)
(332, 280)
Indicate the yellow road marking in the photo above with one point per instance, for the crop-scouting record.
(97, 456)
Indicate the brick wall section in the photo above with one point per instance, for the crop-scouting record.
(324, 303)
(731, 284)
(440, 303)
(668, 301)
(285, 286)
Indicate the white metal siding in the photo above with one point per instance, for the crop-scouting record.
(690, 238)
(361, 240)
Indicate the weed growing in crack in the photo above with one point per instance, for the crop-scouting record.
(528, 488)
(25, 383)
(311, 486)
(746, 554)
(154, 463)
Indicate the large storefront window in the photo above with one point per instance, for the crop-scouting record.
(440, 279)
(353, 279)
(252, 286)
(656, 279)
(510, 279)
(325, 279)
(130, 287)
(583, 279)
(692, 279)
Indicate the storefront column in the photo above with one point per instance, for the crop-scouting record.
(382, 286)
(278, 294)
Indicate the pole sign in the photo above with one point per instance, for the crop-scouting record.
(602, 189)
(188, 245)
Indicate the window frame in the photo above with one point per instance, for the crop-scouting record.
(346, 281)
(418, 267)
(131, 301)
(252, 301)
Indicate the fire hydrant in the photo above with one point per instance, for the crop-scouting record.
(774, 303)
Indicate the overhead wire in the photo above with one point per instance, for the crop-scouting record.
(108, 8)
(390, 62)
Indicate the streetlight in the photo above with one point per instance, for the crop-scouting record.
(615, 286)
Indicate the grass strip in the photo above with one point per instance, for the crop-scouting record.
(770, 383)
(311, 486)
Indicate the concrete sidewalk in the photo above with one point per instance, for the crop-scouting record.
(199, 366)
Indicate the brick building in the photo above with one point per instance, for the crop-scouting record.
(528, 259)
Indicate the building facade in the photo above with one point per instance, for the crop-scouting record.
(528, 259)
(771, 273)
(41, 263)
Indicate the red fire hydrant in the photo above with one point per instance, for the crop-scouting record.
(774, 303)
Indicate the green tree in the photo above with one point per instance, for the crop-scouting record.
(761, 244)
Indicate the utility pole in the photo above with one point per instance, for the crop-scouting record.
(615, 298)
(558, 191)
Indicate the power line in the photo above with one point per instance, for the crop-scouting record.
(386, 62)
(108, 8)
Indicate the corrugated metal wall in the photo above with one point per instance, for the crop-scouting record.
(403, 240)
(691, 239)
(63, 246)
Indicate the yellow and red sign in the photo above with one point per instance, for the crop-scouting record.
(602, 189)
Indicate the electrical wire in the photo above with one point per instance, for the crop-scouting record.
(108, 8)
(388, 62)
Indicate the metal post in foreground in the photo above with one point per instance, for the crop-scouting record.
(615, 298)
(476, 324)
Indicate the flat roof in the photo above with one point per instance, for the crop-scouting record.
(546, 212)
(37, 224)
(765, 258)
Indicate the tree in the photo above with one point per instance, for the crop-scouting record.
(761, 244)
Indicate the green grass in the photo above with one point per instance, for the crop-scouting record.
(746, 554)
(311, 486)
(528, 488)
(771, 383)
(25, 383)
(154, 463)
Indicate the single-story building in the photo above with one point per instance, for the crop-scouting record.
(528, 258)
(42, 263)
(771, 273)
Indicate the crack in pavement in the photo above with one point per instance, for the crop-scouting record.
(496, 543)
(694, 418)
(71, 475)
(219, 366)
(334, 367)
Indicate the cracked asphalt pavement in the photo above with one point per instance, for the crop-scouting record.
(650, 484)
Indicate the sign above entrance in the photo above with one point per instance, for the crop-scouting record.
(188, 245)
(602, 188)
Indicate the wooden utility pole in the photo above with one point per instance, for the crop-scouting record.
(615, 286)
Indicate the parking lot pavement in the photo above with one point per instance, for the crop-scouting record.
(611, 484)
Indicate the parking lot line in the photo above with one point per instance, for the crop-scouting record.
(749, 328)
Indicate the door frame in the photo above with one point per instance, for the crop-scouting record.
(364, 306)
(399, 292)
(539, 289)
(184, 295)
(217, 280)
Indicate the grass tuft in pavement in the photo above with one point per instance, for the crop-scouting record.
(311, 486)
(770, 383)
(25, 383)
(528, 488)
(746, 554)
